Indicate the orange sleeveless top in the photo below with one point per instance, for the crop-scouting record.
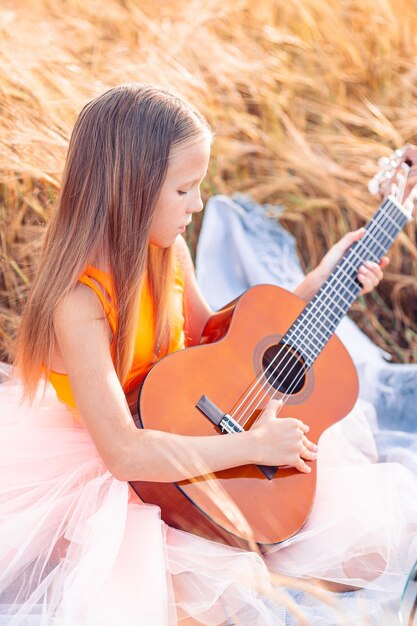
(100, 282)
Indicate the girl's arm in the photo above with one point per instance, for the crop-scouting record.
(144, 454)
(198, 310)
(369, 275)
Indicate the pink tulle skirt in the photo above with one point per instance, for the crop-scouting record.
(77, 549)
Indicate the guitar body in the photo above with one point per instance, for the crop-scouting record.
(241, 506)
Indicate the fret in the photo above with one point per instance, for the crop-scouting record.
(300, 334)
(354, 253)
(311, 323)
(350, 293)
(313, 326)
(392, 213)
(303, 344)
(307, 352)
(343, 310)
(387, 234)
(390, 219)
(330, 321)
(384, 247)
(342, 272)
(388, 205)
(314, 353)
(397, 226)
(346, 261)
(309, 346)
(374, 256)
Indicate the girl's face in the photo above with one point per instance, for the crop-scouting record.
(180, 193)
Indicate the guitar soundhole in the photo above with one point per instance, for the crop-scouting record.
(284, 368)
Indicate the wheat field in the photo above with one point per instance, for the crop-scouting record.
(304, 98)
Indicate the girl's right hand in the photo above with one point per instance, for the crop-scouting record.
(282, 441)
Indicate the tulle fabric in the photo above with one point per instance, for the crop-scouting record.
(76, 548)
(363, 527)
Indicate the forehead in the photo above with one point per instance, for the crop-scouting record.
(190, 160)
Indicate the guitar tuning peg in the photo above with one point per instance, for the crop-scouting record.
(384, 162)
(373, 186)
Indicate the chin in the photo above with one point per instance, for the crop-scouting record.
(164, 243)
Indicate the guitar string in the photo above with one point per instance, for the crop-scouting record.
(341, 272)
(318, 304)
(292, 361)
(303, 346)
(346, 275)
(294, 334)
(312, 312)
(297, 379)
(397, 227)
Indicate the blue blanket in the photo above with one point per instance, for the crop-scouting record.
(241, 244)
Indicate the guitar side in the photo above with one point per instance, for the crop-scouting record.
(240, 506)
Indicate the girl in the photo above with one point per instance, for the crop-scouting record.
(115, 292)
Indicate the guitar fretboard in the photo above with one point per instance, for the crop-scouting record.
(319, 319)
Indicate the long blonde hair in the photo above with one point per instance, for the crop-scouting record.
(116, 164)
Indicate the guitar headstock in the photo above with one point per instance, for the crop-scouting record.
(397, 177)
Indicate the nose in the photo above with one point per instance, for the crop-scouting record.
(197, 204)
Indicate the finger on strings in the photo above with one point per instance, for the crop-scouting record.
(375, 269)
(304, 427)
(365, 278)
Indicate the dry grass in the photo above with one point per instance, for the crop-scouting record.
(304, 96)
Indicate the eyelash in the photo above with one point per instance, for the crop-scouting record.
(181, 193)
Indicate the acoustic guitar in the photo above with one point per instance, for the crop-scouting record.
(266, 344)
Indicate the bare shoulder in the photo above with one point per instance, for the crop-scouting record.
(80, 304)
(80, 328)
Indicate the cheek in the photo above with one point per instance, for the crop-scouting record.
(162, 221)
(164, 217)
(169, 211)
(160, 210)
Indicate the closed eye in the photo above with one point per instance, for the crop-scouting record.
(181, 193)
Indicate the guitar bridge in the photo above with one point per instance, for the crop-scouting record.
(228, 425)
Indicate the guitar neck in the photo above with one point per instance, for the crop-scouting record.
(319, 319)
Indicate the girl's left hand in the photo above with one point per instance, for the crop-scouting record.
(370, 273)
